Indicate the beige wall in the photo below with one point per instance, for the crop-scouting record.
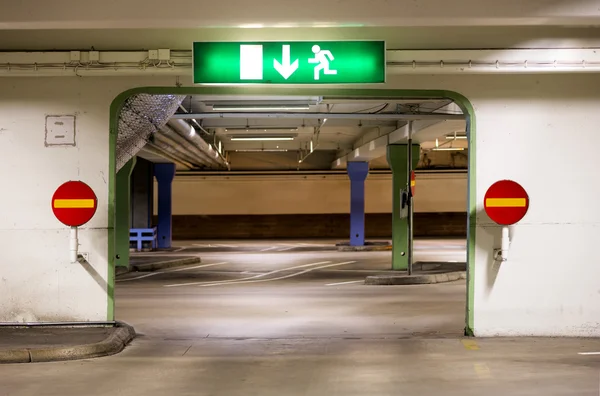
(309, 194)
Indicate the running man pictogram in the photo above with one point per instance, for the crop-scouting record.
(321, 58)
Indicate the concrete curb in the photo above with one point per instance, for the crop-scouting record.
(158, 265)
(367, 247)
(119, 270)
(113, 344)
(401, 280)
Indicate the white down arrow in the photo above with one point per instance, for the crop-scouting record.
(285, 68)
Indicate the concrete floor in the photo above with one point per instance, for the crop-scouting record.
(302, 324)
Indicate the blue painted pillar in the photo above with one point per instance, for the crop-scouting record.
(357, 172)
(164, 176)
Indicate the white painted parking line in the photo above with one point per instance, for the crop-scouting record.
(223, 245)
(589, 353)
(344, 283)
(249, 278)
(286, 249)
(267, 249)
(238, 282)
(168, 271)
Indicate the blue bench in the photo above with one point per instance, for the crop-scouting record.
(140, 235)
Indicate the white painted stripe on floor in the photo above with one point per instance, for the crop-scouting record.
(589, 353)
(238, 282)
(286, 249)
(172, 270)
(344, 283)
(249, 278)
(270, 248)
(227, 246)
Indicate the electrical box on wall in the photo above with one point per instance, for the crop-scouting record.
(60, 130)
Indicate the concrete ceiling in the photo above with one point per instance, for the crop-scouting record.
(402, 37)
(70, 14)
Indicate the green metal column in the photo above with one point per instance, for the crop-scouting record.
(397, 156)
(122, 219)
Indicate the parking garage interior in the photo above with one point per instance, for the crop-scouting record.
(260, 281)
(268, 175)
(266, 276)
(261, 196)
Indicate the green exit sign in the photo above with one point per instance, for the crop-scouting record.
(289, 62)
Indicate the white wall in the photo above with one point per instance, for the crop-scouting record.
(308, 194)
(539, 130)
(37, 281)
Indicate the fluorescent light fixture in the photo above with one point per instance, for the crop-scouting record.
(448, 148)
(263, 138)
(452, 137)
(260, 107)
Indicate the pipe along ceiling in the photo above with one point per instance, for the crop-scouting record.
(144, 123)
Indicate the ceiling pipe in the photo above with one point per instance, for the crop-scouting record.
(184, 145)
(351, 116)
(161, 142)
(184, 129)
(152, 148)
(187, 132)
(193, 120)
(173, 146)
(225, 161)
(221, 156)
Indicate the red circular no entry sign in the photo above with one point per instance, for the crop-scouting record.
(74, 203)
(506, 202)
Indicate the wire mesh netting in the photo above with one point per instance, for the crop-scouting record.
(141, 116)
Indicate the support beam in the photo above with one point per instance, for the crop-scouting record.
(164, 175)
(122, 219)
(423, 130)
(357, 172)
(345, 116)
(397, 155)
